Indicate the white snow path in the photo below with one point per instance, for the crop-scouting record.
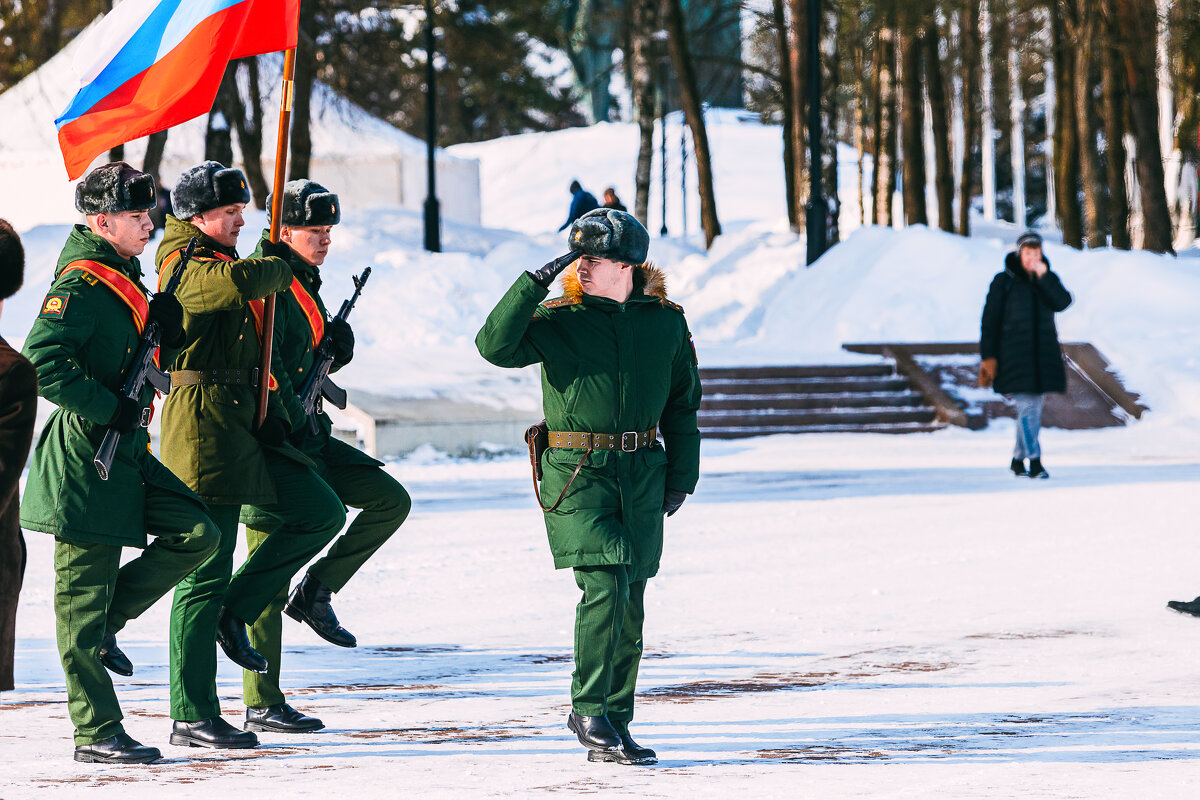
(837, 616)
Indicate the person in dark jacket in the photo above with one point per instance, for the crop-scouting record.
(612, 201)
(1018, 344)
(582, 201)
(18, 406)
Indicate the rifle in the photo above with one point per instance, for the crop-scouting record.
(318, 384)
(142, 371)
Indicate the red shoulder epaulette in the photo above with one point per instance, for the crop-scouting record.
(668, 304)
(560, 302)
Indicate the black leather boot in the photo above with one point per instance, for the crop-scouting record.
(1191, 607)
(231, 635)
(119, 749)
(112, 658)
(214, 732)
(1018, 467)
(280, 718)
(594, 733)
(1036, 470)
(630, 752)
(309, 603)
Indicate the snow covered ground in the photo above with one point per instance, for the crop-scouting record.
(837, 616)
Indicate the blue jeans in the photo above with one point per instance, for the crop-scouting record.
(1029, 424)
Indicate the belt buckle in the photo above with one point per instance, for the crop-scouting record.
(629, 449)
(254, 377)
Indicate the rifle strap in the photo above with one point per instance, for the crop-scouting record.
(537, 491)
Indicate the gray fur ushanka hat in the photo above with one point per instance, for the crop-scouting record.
(113, 188)
(608, 233)
(207, 186)
(308, 204)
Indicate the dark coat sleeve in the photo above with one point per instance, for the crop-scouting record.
(1051, 291)
(993, 317)
(18, 407)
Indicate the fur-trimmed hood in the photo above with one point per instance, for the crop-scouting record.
(648, 278)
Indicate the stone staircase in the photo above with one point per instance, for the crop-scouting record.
(755, 401)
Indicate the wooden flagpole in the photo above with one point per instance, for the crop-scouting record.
(281, 144)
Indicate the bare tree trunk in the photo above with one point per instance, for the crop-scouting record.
(1017, 151)
(300, 151)
(912, 122)
(248, 122)
(218, 140)
(1066, 149)
(989, 115)
(884, 182)
(156, 144)
(690, 100)
(829, 129)
(1112, 82)
(642, 28)
(1139, 57)
(787, 96)
(1049, 99)
(1082, 31)
(970, 79)
(940, 117)
(861, 94)
(797, 34)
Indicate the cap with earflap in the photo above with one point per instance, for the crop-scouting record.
(608, 233)
(113, 188)
(1029, 239)
(308, 204)
(207, 186)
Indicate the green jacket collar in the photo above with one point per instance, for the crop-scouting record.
(177, 232)
(83, 245)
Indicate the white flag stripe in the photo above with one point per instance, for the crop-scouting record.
(106, 37)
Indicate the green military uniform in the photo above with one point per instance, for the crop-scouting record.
(208, 440)
(82, 344)
(356, 477)
(607, 367)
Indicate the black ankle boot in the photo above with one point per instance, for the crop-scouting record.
(280, 718)
(119, 749)
(112, 658)
(1018, 467)
(309, 603)
(231, 635)
(1036, 470)
(213, 732)
(594, 733)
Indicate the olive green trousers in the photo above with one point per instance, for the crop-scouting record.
(385, 505)
(311, 515)
(95, 595)
(608, 643)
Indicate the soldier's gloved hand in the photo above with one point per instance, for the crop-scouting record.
(128, 416)
(166, 311)
(342, 337)
(672, 501)
(274, 249)
(545, 275)
(273, 431)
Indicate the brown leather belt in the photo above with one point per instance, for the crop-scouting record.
(627, 442)
(224, 377)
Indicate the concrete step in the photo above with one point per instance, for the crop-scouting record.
(742, 432)
(729, 402)
(759, 386)
(788, 417)
(830, 371)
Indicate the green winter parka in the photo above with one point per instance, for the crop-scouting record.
(294, 359)
(607, 367)
(208, 429)
(82, 344)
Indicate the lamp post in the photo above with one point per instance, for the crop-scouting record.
(816, 210)
(433, 221)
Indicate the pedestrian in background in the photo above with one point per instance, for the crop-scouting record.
(582, 201)
(612, 201)
(1018, 344)
(18, 406)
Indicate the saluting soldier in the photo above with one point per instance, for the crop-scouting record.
(309, 213)
(210, 441)
(82, 344)
(618, 368)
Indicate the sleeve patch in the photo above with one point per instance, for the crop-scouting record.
(695, 358)
(54, 306)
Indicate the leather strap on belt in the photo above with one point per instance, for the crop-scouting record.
(627, 442)
(223, 377)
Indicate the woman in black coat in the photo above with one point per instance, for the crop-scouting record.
(1018, 343)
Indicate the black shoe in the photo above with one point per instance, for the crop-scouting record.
(309, 603)
(112, 658)
(1185, 606)
(594, 733)
(1018, 467)
(119, 749)
(630, 752)
(231, 635)
(280, 718)
(214, 732)
(1036, 470)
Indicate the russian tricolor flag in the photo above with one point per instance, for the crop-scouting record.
(151, 64)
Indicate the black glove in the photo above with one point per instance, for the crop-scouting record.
(342, 338)
(166, 311)
(271, 249)
(672, 501)
(128, 416)
(545, 275)
(273, 431)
